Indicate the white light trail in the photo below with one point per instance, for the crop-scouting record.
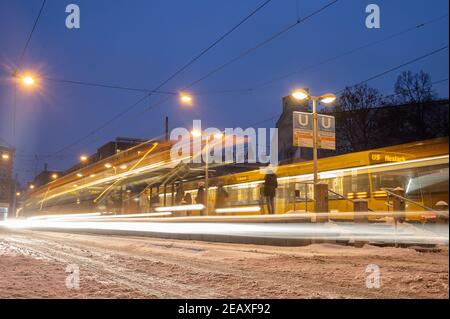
(373, 233)
(246, 209)
(194, 207)
(55, 217)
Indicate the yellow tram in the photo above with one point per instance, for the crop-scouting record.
(419, 168)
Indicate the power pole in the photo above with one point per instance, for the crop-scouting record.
(167, 130)
(14, 197)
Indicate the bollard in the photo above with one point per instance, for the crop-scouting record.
(399, 205)
(321, 202)
(361, 209)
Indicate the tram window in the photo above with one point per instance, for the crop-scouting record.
(434, 179)
(243, 195)
(391, 179)
(355, 183)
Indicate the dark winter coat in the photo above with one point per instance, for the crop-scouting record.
(270, 185)
(200, 199)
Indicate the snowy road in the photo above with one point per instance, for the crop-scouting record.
(33, 264)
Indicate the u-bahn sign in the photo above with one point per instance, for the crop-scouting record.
(303, 130)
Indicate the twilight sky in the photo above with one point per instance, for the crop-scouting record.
(140, 43)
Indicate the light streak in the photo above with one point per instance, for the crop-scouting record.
(371, 233)
(62, 216)
(246, 209)
(180, 208)
(131, 169)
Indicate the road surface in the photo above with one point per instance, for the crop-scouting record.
(33, 264)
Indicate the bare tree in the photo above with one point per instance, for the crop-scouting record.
(356, 121)
(414, 88)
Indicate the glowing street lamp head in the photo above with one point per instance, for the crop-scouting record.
(83, 158)
(328, 98)
(28, 80)
(5, 157)
(196, 133)
(31, 186)
(300, 94)
(54, 176)
(186, 99)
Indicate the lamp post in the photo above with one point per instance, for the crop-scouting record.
(26, 80)
(302, 94)
(197, 133)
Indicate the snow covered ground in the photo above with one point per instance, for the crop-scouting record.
(33, 264)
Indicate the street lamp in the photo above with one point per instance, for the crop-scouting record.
(219, 135)
(328, 98)
(5, 157)
(27, 80)
(186, 98)
(83, 158)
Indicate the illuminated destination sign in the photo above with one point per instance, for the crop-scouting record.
(380, 157)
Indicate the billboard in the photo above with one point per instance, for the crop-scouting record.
(303, 130)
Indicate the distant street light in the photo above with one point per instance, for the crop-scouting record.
(83, 158)
(5, 156)
(186, 98)
(196, 133)
(328, 98)
(28, 80)
(54, 176)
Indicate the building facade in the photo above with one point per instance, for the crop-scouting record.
(287, 152)
(383, 126)
(6, 181)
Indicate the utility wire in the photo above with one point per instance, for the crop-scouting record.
(323, 62)
(31, 34)
(401, 66)
(377, 76)
(336, 57)
(109, 86)
(258, 46)
(245, 53)
(261, 44)
(203, 52)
